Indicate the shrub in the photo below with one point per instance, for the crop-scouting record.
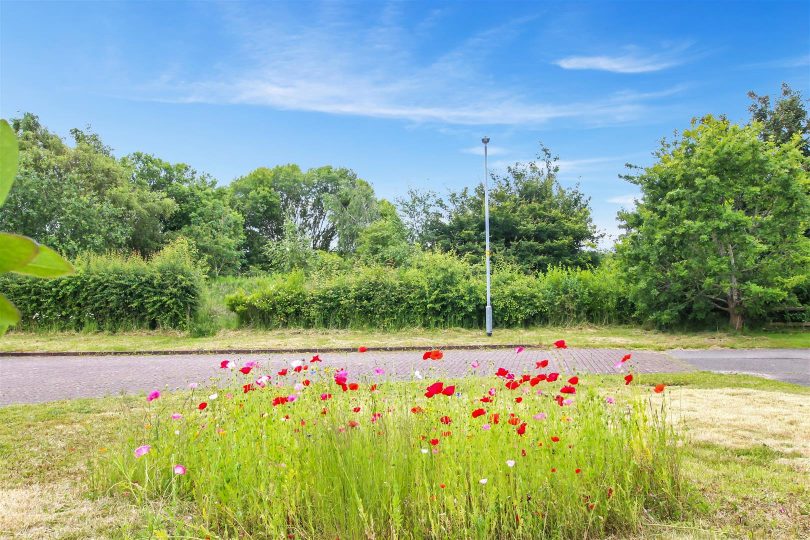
(437, 290)
(113, 292)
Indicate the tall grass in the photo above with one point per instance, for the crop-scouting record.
(318, 468)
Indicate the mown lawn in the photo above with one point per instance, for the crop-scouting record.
(626, 337)
(747, 455)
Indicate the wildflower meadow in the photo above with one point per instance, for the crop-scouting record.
(307, 452)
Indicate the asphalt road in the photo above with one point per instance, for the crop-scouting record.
(790, 365)
(34, 379)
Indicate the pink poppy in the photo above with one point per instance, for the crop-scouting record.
(142, 450)
(179, 469)
(153, 395)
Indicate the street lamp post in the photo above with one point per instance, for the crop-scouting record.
(485, 140)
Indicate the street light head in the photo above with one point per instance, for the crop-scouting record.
(485, 140)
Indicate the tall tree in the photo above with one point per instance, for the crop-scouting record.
(534, 221)
(719, 226)
(784, 120)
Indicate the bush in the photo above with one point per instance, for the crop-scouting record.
(435, 291)
(113, 292)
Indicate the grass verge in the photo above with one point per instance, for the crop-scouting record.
(753, 482)
(627, 337)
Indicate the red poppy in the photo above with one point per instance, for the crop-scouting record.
(495, 418)
(560, 344)
(202, 405)
(449, 391)
(417, 410)
(541, 364)
(518, 399)
(502, 372)
(659, 388)
(559, 400)
(353, 423)
(573, 380)
(282, 372)
(525, 377)
(315, 358)
(536, 380)
(577, 471)
(354, 386)
(362, 349)
(521, 429)
(247, 388)
(434, 442)
(478, 412)
(372, 388)
(434, 389)
(512, 385)
(513, 420)
(610, 493)
(306, 382)
(445, 420)
(245, 370)
(568, 390)
(554, 469)
(298, 369)
(551, 377)
(628, 378)
(356, 409)
(442, 486)
(280, 400)
(426, 355)
(436, 355)
(626, 357)
(324, 411)
(486, 399)
(225, 364)
(555, 439)
(324, 397)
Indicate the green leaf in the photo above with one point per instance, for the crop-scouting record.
(9, 157)
(16, 251)
(8, 314)
(46, 264)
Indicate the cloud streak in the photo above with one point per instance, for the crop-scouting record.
(635, 61)
(378, 70)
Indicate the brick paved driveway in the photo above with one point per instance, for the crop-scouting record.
(33, 379)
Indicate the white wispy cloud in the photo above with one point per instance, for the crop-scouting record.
(633, 61)
(792, 62)
(625, 200)
(329, 63)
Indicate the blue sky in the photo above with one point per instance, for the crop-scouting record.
(401, 92)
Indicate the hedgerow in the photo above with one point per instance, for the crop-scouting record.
(436, 291)
(112, 292)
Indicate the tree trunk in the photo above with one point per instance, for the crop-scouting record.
(735, 316)
(735, 319)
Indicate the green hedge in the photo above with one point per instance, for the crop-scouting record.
(437, 291)
(112, 293)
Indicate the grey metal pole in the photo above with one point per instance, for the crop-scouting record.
(485, 140)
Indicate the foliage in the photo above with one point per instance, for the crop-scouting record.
(91, 203)
(434, 290)
(720, 226)
(284, 456)
(781, 122)
(290, 252)
(534, 221)
(20, 254)
(114, 292)
(385, 240)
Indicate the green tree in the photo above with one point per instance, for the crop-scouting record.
(18, 253)
(293, 251)
(217, 231)
(90, 204)
(534, 221)
(782, 121)
(422, 213)
(385, 241)
(719, 226)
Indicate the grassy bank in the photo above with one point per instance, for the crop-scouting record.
(749, 472)
(627, 337)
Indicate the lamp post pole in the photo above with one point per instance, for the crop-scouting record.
(485, 140)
